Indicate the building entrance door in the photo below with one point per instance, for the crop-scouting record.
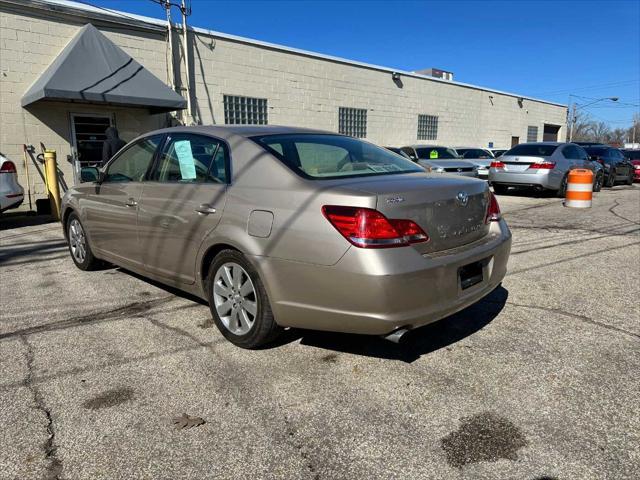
(515, 141)
(550, 133)
(87, 137)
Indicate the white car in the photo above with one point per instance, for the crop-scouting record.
(11, 193)
(480, 157)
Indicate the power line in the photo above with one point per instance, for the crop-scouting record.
(591, 87)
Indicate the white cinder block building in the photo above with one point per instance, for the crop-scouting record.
(232, 80)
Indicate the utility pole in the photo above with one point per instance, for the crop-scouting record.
(574, 108)
(185, 34)
(572, 119)
(170, 70)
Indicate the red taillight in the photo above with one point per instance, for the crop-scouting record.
(368, 228)
(542, 166)
(493, 212)
(496, 164)
(8, 167)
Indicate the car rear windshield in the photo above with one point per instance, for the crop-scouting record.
(473, 153)
(596, 151)
(328, 156)
(525, 150)
(436, 153)
(632, 154)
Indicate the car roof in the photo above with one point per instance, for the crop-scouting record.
(229, 131)
(426, 146)
(474, 148)
(557, 144)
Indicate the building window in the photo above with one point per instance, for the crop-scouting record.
(352, 122)
(427, 127)
(532, 133)
(245, 110)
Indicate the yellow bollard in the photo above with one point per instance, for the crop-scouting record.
(51, 169)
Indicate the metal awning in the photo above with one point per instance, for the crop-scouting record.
(92, 69)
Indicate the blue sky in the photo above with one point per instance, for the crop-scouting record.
(543, 48)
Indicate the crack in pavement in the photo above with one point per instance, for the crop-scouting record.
(54, 464)
(133, 309)
(577, 316)
(241, 396)
(616, 205)
(550, 264)
(574, 242)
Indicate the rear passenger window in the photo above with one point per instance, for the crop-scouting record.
(188, 158)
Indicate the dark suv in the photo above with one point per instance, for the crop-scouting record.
(617, 168)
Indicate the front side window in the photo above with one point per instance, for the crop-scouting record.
(334, 156)
(525, 150)
(131, 164)
(189, 158)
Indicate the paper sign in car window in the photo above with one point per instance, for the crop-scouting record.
(433, 154)
(185, 157)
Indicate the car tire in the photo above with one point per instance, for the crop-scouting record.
(499, 189)
(79, 247)
(597, 185)
(630, 179)
(611, 180)
(234, 287)
(562, 191)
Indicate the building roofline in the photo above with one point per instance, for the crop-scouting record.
(140, 21)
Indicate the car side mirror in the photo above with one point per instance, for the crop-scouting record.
(90, 174)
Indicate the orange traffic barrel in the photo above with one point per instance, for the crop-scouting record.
(579, 188)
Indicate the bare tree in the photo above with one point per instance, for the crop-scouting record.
(633, 133)
(617, 136)
(582, 127)
(600, 131)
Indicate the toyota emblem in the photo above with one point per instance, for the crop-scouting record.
(462, 198)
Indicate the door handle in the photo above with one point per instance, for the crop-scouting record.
(131, 203)
(205, 209)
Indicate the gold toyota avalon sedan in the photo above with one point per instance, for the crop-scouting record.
(287, 227)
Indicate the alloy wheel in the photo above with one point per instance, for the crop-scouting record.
(77, 241)
(235, 298)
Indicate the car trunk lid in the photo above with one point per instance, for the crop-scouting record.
(450, 210)
(516, 163)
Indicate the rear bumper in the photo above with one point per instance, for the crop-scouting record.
(549, 179)
(9, 202)
(378, 291)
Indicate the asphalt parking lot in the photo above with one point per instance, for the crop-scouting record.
(539, 380)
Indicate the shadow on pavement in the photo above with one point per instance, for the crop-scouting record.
(416, 343)
(33, 251)
(10, 221)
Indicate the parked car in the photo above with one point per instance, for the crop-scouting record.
(399, 152)
(540, 165)
(634, 157)
(480, 157)
(286, 227)
(497, 152)
(617, 168)
(11, 192)
(441, 160)
(589, 144)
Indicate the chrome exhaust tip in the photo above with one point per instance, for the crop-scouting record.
(396, 336)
